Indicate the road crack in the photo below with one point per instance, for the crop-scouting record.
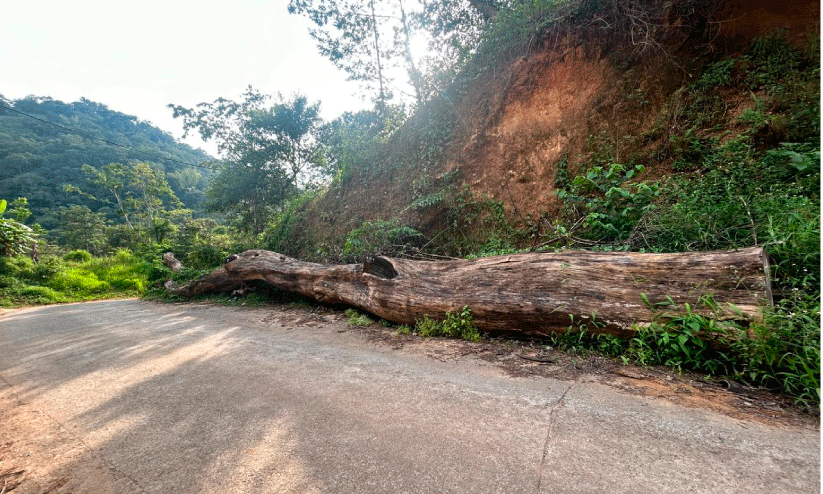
(547, 443)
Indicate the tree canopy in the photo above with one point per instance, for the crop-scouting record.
(269, 152)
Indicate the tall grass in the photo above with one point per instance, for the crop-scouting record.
(75, 277)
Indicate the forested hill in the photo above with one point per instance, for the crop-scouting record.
(37, 158)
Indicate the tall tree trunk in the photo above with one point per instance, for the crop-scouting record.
(382, 96)
(414, 73)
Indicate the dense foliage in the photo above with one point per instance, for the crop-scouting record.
(71, 278)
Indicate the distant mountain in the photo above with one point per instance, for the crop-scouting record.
(37, 158)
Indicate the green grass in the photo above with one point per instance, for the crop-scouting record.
(358, 318)
(76, 277)
(781, 353)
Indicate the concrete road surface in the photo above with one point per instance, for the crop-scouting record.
(138, 397)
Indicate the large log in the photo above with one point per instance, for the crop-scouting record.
(534, 293)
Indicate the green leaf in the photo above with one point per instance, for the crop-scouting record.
(2, 206)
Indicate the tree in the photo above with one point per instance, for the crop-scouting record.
(15, 237)
(80, 228)
(140, 194)
(367, 39)
(454, 29)
(348, 33)
(19, 209)
(153, 199)
(608, 292)
(111, 178)
(269, 152)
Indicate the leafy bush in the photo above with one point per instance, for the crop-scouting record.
(46, 269)
(20, 267)
(515, 28)
(286, 232)
(41, 295)
(783, 351)
(475, 226)
(607, 203)
(158, 273)
(15, 237)
(9, 281)
(379, 237)
(129, 284)
(456, 325)
(78, 256)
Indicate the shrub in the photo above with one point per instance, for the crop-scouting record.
(403, 329)
(457, 324)
(783, 351)
(158, 273)
(379, 237)
(7, 281)
(609, 204)
(78, 256)
(206, 256)
(46, 269)
(19, 266)
(41, 295)
(77, 280)
(129, 284)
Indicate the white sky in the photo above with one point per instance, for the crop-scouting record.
(137, 57)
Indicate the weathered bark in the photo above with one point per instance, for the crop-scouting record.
(534, 293)
(172, 262)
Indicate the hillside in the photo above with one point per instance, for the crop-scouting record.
(479, 168)
(37, 159)
(691, 125)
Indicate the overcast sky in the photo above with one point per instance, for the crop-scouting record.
(137, 57)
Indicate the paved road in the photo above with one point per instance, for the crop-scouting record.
(185, 398)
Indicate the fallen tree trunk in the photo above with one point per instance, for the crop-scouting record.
(533, 293)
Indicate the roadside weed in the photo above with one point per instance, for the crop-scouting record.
(457, 324)
(357, 318)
